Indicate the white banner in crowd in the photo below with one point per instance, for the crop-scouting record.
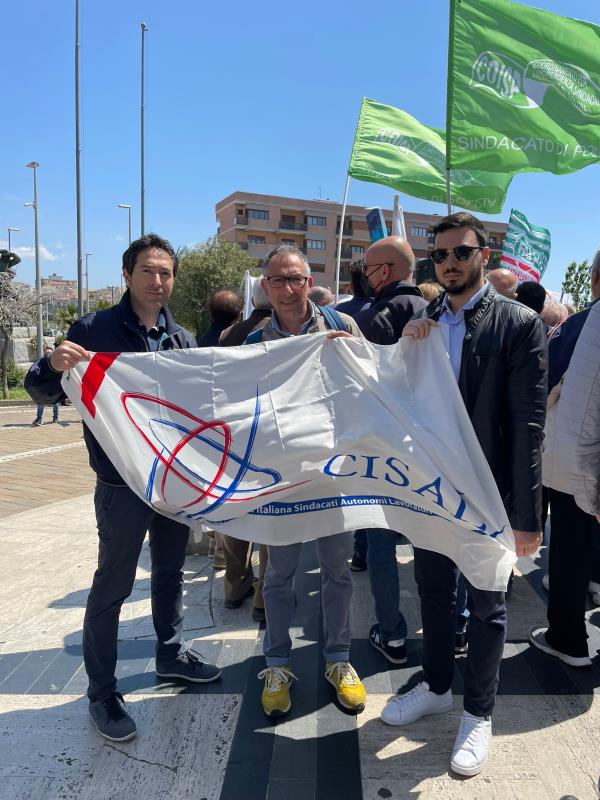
(291, 440)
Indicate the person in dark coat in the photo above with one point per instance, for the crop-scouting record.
(224, 307)
(140, 323)
(236, 334)
(498, 353)
(388, 268)
(361, 294)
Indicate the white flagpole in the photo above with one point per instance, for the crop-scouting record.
(448, 190)
(398, 226)
(338, 258)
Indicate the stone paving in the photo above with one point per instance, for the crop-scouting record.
(213, 741)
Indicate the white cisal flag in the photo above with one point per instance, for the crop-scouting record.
(526, 249)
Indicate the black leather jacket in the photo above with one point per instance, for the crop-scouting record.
(503, 382)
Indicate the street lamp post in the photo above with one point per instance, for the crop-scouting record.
(128, 207)
(78, 169)
(9, 230)
(38, 276)
(144, 28)
(87, 284)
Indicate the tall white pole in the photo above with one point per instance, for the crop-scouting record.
(144, 28)
(338, 258)
(448, 192)
(78, 171)
(38, 275)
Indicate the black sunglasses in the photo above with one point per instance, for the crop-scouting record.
(461, 253)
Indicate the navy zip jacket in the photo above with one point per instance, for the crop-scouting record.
(562, 344)
(113, 330)
(383, 321)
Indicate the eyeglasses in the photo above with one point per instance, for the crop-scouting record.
(375, 267)
(278, 281)
(461, 253)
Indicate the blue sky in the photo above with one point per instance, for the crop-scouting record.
(252, 96)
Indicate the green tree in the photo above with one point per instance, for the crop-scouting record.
(577, 284)
(203, 269)
(65, 317)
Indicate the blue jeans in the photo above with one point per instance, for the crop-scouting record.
(360, 543)
(40, 412)
(378, 545)
(385, 585)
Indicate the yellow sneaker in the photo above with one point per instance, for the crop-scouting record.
(275, 697)
(343, 677)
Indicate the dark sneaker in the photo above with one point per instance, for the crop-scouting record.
(258, 614)
(111, 719)
(358, 563)
(460, 643)
(237, 603)
(393, 649)
(537, 638)
(187, 666)
(37, 422)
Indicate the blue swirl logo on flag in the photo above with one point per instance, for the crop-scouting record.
(335, 435)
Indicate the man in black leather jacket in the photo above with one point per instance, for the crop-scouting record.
(140, 323)
(497, 349)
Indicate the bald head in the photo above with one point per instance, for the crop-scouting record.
(504, 282)
(388, 260)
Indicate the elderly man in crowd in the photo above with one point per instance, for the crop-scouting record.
(504, 282)
(287, 281)
(498, 352)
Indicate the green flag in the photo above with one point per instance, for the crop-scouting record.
(523, 89)
(392, 148)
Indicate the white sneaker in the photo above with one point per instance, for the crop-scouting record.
(471, 745)
(403, 709)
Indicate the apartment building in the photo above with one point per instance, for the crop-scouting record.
(259, 222)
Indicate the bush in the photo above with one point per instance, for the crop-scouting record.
(15, 374)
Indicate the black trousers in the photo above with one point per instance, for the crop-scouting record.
(123, 520)
(436, 577)
(573, 562)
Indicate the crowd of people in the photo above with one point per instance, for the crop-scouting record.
(498, 333)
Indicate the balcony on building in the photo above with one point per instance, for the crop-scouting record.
(290, 223)
(347, 228)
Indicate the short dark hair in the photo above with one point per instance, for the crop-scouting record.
(143, 243)
(532, 294)
(356, 279)
(462, 219)
(224, 306)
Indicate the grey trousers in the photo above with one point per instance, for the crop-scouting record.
(336, 594)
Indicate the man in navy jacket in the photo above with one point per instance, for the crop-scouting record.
(141, 322)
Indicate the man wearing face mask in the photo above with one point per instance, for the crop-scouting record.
(387, 276)
(387, 273)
